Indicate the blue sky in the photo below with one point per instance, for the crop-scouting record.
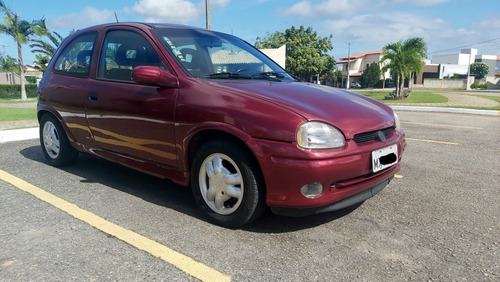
(446, 25)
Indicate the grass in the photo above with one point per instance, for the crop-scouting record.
(12, 114)
(415, 97)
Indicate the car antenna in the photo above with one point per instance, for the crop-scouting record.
(116, 17)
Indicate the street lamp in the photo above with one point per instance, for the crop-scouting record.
(207, 11)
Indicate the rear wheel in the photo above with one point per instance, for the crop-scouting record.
(227, 184)
(55, 144)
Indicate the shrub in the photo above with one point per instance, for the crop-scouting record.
(479, 86)
(13, 91)
(405, 93)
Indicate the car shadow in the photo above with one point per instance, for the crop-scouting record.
(165, 193)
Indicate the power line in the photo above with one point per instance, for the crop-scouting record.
(464, 46)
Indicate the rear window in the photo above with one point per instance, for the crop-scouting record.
(76, 57)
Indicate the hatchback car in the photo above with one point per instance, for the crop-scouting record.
(210, 111)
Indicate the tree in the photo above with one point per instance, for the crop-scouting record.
(41, 62)
(45, 50)
(479, 69)
(8, 64)
(306, 54)
(371, 76)
(44, 47)
(404, 59)
(337, 77)
(20, 30)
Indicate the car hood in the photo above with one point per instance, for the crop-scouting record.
(350, 112)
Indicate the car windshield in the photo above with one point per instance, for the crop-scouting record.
(213, 55)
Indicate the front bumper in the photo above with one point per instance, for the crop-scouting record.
(347, 202)
(345, 174)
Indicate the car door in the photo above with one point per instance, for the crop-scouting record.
(125, 117)
(66, 84)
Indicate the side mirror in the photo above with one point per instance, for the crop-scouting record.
(155, 76)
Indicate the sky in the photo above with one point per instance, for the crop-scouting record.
(447, 26)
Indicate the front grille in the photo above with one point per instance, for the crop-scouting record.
(370, 136)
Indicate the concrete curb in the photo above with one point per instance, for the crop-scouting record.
(446, 110)
(18, 134)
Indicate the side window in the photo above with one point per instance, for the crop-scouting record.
(122, 51)
(75, 59)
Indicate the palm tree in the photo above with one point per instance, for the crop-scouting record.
(404, 59)
(44, 47)
(20, 30)
(9, 65)
(41, 62)
(45, 50)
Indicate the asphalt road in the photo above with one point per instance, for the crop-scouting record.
(439, 221)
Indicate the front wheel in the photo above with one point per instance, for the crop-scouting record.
(55, 144)
(226, 184)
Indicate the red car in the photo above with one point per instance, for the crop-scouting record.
(209, 111)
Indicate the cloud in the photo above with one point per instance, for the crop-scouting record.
(175, 11)
(383, 28)
(219, 3)
(327, 8)
(89, 16)
(421, 2)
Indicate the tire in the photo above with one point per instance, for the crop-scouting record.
(55, 144)
(226, 184)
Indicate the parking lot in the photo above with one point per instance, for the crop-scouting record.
(438, 220)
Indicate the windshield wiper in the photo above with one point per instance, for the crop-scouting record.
(270, 75)
(227, 75)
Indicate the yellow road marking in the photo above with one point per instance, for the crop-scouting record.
(432, 141)
(182, 262)
(398, 176)
(442, 125)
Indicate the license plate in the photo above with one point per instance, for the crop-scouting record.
(384, 158)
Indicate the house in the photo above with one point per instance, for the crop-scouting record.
(30, 70)
(451, 65)
(278, 55)
(459, 63)
(441, 66)
(357, 63)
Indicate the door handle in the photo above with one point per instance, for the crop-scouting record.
(93, 96)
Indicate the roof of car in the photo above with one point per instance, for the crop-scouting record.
(141, 24)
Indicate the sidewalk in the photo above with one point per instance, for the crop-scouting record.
(456, 99)
(458, 102)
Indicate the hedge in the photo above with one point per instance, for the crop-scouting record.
(13, 91)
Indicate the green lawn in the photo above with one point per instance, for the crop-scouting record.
(13, 114)
(415, 97)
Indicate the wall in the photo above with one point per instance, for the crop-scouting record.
(443, 83)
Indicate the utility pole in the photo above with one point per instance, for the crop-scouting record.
(348, 64)
(467, 86)
(3, 46)
(207, 10)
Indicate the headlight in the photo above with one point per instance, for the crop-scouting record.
(397, 122)
(319, 135)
